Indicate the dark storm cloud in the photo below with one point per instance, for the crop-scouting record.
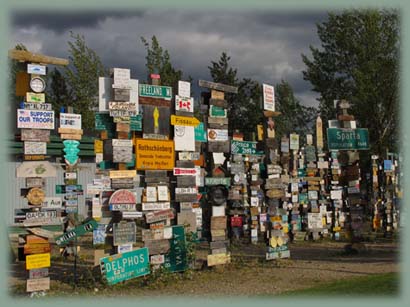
(62, 21)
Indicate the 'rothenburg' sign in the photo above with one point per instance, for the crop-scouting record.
(348, 139)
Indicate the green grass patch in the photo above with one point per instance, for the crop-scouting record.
(378, 284)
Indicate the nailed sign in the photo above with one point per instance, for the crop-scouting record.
(35, 97)
(35, 148)
(217, 135)
(124, 232)
(76, 232)
(37, 261)
(184, 104)
(184, 138)
(243, 148)
(36, 69)
(37, 106)
(35, 119)
(124, 266)
(157, 216)
(35, 135)
(152, 154)
(69, 120)
(123, 197)
(184, 121)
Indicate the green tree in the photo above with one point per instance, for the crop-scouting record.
(359, 61)
(158, 61)
(14, 68)
(294, 116)
(82, 78)
(58, 93)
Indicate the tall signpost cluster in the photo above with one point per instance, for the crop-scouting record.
(217, 180)
(276, 183)
(35, 118)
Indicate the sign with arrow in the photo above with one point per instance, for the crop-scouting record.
(184, 121)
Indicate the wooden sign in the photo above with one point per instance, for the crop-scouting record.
(35, 148)
(218, 86)
(37, 261)
(35, 119)
(154, 155)
(37, 106)
(34, 135)
(217, 135)
(122, 106)
(155, 120)
(122, 77)
(36, 69)
(104, 93)
(217, 95)
(124, 233)
(52, 203)
(123, 174)
(218, 122)
(35, 97)
(184, 104)
(36, 248)
(123, 197)
(217, 259)
(218, 222)
(155, 206)
(215, 111)
(35, 196)
(187, 219)
(319, 132)
(184, 89)
(157, 216)
(218, 102)
(122, 155)
(156, 247)
(38, 284)
(268, 97)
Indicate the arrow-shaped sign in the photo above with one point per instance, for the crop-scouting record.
(184, 121)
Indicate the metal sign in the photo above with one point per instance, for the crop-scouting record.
(200, 133)
(71, 151)
(76, 232)
(103, 121)
(215, 111)
(157, 216)
(52, 203)
(38, 284)
(176, 259)
(124, 266)
(217, 135)
(154, 155)
(38, 261)
(68, 120)
(184, 138)
(35, 135)
(184, 121)
(348, 139)
(37, 84)
(244, 148)
(35, 119)
(37, 106)
(136, 123)
(156, 91)
(268, 98)
(123, 197)
(210, 181)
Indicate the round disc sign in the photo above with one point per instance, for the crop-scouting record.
(37, 84)
(123, 197)
(36, 196)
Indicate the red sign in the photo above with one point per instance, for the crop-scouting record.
(123, 197)
(155, 76)
(236, 221)
(184, 171)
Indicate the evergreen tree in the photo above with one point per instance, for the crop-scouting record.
(58, 93)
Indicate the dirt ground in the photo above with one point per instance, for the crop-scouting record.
(249, 274)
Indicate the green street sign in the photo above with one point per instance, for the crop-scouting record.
(128, 265)
(136, 123)
(61, 189)
(217, 181)
(155, 91)
(216, 111)
(176, 259)
(244, 148)
(76, 232)
(348, 139)
(200, 133)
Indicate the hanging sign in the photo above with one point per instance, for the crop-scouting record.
(124, 266)
(154, 155)
(35, 119)
(268, 98)
(68, 120)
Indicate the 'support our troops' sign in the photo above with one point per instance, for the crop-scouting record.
(125, 266)
(76, 232)
(151, 154)
(35, 119)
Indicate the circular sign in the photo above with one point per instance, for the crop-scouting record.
(37, 84)
(36, 196)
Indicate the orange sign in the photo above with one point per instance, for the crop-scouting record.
(154, 154)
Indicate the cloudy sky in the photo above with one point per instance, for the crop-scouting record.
(263, 45)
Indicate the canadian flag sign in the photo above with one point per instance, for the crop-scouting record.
(184, 104)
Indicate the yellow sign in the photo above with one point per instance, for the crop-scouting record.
(217, 259)
(123, 174)
(98, 146)
(35, 97)
(184, 121)
(153, 154)
(260, 132)
(37, 261)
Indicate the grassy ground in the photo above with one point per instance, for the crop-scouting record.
(377, 284)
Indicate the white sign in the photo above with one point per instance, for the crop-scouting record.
(122, 143)
(268, 97)
(104, 93)
(181, 171)
(156, 206)
(217, 135)
(184, 89)
(184, 138)
(93, 189)
(69, 120)
(163, 193)
(36, 69)
(36, 169)
(131, 214)
(315, 221)
(336, 194)
(186, 190)
(184, 104)
(52, 202)
(35, 148)
(122, 78)
(134, 92)
(124, 248)
(294, 141)
(151, 194)
(70, 175)
(157, 259)
(35, 119)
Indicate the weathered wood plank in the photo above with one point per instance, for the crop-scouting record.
(218, 86)
(26, 56)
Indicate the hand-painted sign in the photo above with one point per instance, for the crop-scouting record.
(123, 174)
(157, 216)
(147, 90)
(156, 120)
(37, 261)
(152, 154)
(268, 98)
(68, 120)
(122, 77)
(184, 89)
(76, 232)
(124, 233)
(35, 148)
(38, 284)
(184, 121)
(35, 97)
(35, 119)
(36, 169)
(217, 135)
(184, 104)
(120, 267)
(348, 139)
(36, 69)
(34, 135)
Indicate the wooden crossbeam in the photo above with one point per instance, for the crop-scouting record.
(26, 56)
